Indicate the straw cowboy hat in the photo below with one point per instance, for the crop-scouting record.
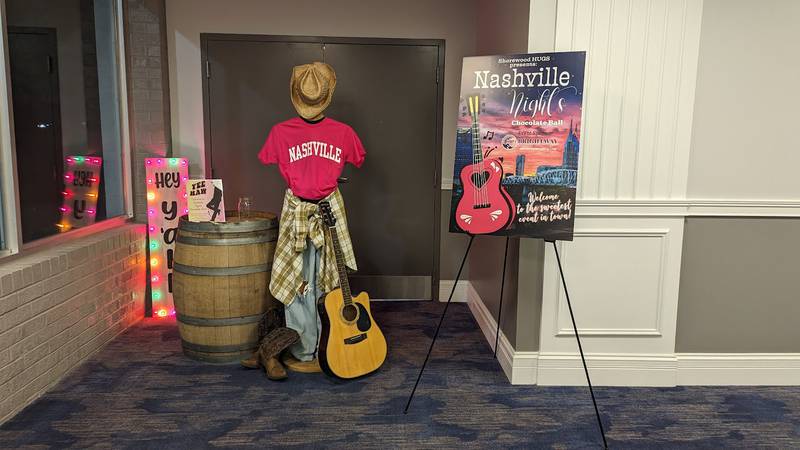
(311, 88)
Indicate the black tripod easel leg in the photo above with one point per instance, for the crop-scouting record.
(500, 308)
(580, 348)
(438, 327)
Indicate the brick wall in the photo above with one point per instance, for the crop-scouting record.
(148, 89)
(60, 305)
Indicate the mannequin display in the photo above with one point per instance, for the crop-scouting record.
(310, 151)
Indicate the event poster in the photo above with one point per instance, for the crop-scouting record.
(166, 203)
(206, 202)
(518, 145)
(81, 189)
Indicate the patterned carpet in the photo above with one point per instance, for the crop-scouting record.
(140, 392)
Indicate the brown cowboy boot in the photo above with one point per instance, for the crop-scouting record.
(273, 367)
(275, 370)
(270, 320)
(273, 344)
(251, 362)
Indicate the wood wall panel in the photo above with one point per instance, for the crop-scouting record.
(639, 93)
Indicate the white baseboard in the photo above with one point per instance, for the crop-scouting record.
(566, 369)
(519, 367)
(730, 369)
(460, 295)
(681, 369)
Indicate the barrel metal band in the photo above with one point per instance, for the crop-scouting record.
(221, 358)
(270, 236)
(218, 348)
(261, 223)
(221, 271)
(207, 322)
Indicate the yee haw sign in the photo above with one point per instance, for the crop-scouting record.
(166, 202)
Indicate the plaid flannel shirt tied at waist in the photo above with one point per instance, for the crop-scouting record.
(301, 220)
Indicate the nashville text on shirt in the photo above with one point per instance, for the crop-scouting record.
(315, 148)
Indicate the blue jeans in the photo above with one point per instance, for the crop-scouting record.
(301, 314)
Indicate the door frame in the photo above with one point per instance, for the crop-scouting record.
(55, 83)
(55, 106)
(206, 38)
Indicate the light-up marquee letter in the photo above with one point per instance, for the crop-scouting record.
(81, 185)
(166, 203)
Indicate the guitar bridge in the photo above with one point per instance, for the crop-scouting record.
(355, 339)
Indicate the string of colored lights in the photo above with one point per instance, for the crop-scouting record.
(166, 195)
(80, 192)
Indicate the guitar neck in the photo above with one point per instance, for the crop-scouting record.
(474, 108)
(477, 151)
(344, 283)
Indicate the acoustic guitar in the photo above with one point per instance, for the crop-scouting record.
(485, 206)
(351, 344)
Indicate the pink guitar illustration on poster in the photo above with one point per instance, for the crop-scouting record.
(485, 207)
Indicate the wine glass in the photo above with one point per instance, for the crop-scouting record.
(244, 207)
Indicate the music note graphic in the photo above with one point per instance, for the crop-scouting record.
(489, 135)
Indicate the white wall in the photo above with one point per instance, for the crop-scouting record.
(744, 142)
(624, 264)
(452, 20)
(669, 136)
(640, 75)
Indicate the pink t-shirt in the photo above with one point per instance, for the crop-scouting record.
(311, 156)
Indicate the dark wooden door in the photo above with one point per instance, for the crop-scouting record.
(388, 91)
(37, 128)
(248, 92)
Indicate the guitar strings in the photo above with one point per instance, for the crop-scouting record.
(474, 158)
(479, 154)
(475, 153)
(483, 195)
(485, 178)
(479, 146)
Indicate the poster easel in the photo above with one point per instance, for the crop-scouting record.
(520, 177)
(502, 283)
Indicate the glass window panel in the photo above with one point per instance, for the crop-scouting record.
(64, 64)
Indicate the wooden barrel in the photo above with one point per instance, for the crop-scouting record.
(221, 276)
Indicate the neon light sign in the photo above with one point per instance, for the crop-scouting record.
(166, 202)
(81, 175)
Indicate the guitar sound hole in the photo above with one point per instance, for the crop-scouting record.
(350, 312)
(479, 179)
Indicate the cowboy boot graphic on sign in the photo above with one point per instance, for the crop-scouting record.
(213, 205)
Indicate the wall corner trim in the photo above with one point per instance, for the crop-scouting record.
(447, 183)
(617, 369)
(459, 296)
(520, 367)
(697, 207)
